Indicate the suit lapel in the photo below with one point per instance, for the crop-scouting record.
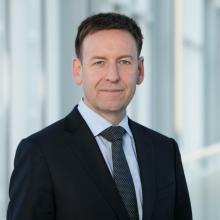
(145, 155)
(85, 147)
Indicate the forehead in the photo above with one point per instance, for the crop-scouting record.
(109, 42)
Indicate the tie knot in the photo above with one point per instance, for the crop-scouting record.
(113, 133)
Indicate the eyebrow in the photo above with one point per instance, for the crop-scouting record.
(104, 58)
(98, 58)
(126, 56)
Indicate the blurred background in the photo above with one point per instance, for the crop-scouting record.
(179, 98)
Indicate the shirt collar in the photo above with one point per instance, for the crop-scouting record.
(97, 123)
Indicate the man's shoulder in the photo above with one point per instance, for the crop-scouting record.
(56, 130)
(161, 143)
(48, 133)
(148, 132)
(52, 140)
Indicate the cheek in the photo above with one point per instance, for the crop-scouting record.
(130, 81)
(131, 86)
(89, 84)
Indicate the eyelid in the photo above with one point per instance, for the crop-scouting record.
(98, 62)
(127, 61)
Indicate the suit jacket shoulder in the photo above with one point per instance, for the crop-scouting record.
(157, 139)
(55, 134)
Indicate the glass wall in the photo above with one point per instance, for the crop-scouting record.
(4, 106)
(179, 97)
(201, 55)
(29, 67)
(212, 67)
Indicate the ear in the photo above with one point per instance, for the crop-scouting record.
(77, 71)
(140, 76)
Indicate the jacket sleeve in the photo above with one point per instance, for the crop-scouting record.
(30, 190)
(182, 202)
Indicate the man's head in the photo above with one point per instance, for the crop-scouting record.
(108, 65)
(107, 21)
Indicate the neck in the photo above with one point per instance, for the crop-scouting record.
(113, 117)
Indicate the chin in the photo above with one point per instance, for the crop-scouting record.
(113, 108)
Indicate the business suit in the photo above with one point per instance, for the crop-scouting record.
(60, 174)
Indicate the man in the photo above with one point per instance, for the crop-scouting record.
(96, 163)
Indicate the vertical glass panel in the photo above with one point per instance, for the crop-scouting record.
(212, 74)
(4, 82)
(27, 71)
(34, 62)
(191, 136)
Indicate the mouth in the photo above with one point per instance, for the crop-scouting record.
(111, 90)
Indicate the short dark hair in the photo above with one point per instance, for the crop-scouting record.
(107, 21)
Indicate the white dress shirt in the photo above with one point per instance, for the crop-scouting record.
(97, 124)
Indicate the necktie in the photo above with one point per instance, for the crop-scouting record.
(121, 171)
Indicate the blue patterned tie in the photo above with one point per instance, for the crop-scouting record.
(121, 171)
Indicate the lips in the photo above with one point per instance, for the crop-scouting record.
(114, 92)
(111, 90)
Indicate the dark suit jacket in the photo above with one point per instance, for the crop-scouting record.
(60, 173)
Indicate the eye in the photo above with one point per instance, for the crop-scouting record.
(124, 62)
(99, 62)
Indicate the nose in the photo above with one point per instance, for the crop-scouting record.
(112, 73)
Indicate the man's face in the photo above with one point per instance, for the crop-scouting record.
(109, 71)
